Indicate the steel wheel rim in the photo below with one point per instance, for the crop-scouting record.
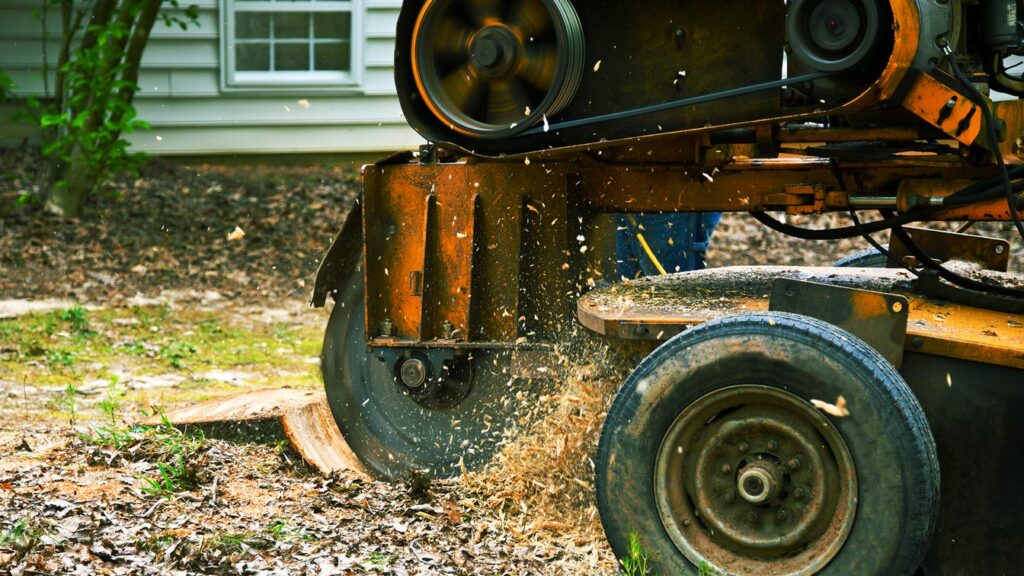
(492, 69)
(755, 433)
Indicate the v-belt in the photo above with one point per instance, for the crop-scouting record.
(643, 110)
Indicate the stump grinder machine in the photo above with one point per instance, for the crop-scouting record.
(786, 421)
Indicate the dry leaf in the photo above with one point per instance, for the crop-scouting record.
(838, 409)
(453, 512)
(236, 234)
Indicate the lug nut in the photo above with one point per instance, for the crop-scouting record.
(781, 514)
(798, 493)
(793, 464)
(752, 516)
(743, 447)
(773, 445)
(726, 469)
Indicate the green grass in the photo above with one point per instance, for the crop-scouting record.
(75, 346)
(173, 450)
(23, 535)
(635, 563)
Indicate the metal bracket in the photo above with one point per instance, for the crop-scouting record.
(878, 318)
(992, 253)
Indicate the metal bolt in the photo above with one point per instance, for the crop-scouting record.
(752, 516)
(743, 447)
(897, 307)
(386, 328)
(687, 523)
(798, 493)
(680, 36)
(916, 342)
(726, 469)
(793, 464)
(773, 445)
(1000, 249)
(781, 514)
(447, 329)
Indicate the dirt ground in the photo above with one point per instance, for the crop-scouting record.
(146, 303)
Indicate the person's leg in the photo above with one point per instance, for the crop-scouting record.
(677, 241)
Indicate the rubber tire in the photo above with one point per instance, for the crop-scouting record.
(888, 437)
(868, 258)
(390, 433)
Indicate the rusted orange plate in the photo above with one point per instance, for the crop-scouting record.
(304, 416)
(659, 307)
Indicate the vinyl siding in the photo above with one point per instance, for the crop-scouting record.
(191, 111)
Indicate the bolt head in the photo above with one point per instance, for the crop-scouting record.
(781, 514)
(743, 447)
(793, 464)
(726, 469)
(799, 493)
(773, 445)
(752, 516)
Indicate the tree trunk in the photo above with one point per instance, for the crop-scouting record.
(71, 188)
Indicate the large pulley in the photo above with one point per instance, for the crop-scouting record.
(491, 69)
(834, 35)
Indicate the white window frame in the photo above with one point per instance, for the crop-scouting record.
(289, 81)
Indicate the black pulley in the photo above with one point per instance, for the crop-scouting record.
(491, 69)
(833, 35)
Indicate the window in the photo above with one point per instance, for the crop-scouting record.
(287, 43)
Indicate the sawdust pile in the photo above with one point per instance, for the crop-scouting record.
(542, 480)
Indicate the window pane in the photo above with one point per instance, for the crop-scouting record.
(332, 25)
(252, 57)
(252, 25)
(333, 56)
(291, 57)
(292, 25)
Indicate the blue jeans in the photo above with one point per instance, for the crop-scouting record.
(679, 241)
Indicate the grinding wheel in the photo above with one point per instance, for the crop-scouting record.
(388, 430)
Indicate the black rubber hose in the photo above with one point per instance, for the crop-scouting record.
(838, 233)
(993, 140)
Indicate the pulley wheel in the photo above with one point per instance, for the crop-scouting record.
(388, 429)
(492, 69)
(833, 35)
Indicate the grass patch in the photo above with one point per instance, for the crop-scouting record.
(176, 453)
(75, 346)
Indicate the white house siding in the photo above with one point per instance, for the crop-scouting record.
(183, 98)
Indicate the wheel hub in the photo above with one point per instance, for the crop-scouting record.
(758, 482)
(750, 475)
(494, 51)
